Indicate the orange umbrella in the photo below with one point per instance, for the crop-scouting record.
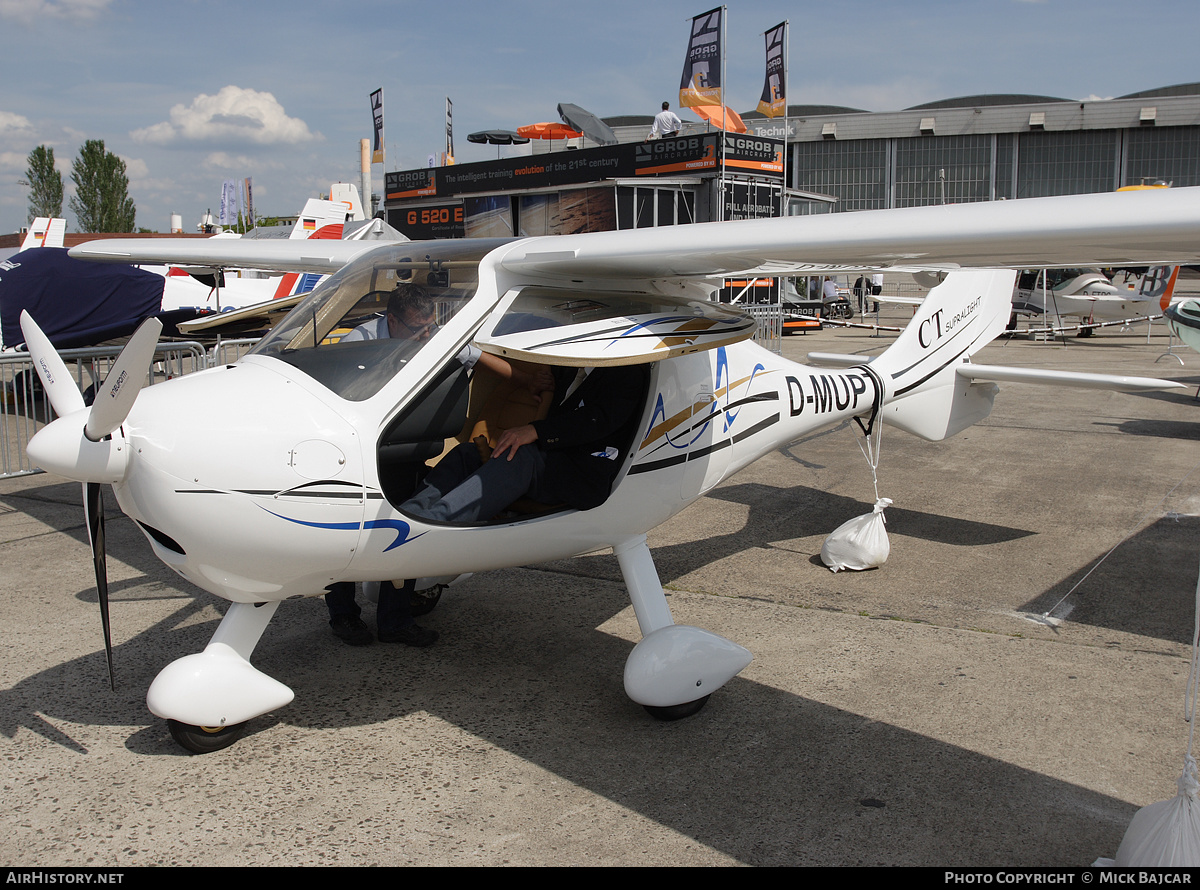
(548, 130)
(712, 114)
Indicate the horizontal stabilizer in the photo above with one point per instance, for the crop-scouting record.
(1116, 382)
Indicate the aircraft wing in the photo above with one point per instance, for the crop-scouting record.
(1111, 229)
(226, 253)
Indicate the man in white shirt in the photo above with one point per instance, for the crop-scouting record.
(829, 291)
(411, 315)
(666, 123)
(876, 288)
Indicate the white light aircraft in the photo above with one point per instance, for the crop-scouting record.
(278, 475)
(1089, 295)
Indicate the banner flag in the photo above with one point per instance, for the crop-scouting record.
(377, 113)
(449, 131)
(249, 203)
(774, 95)
(701, 81)
(229, 203)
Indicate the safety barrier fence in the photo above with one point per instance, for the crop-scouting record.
(226, 352)
(769, 316)
(24, 408)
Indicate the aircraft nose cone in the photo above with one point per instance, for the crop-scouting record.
(62, 448)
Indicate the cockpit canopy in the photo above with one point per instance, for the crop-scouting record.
(343, 337)
(317, 336)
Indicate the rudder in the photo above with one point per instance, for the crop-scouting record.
(958, 318)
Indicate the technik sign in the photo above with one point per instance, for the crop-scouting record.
(700, 153)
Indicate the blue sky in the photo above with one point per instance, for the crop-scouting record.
(191, 93)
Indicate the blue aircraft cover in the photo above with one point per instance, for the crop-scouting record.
(75, 302)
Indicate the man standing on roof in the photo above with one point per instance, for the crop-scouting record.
(666, 123)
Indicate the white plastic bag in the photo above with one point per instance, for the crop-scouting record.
(1166, 834)
(861, 543)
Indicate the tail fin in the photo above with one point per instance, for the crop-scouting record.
(1160, 282)
(958, 318)
(317, 214)
(45, 232)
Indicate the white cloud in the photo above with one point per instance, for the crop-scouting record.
(135, 168)
(14, 161)
(232, 115)
(11, 124)
(29, 11)
(223, 160)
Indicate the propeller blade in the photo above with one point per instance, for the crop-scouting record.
(93, 508)
(124, 381)
(56, 379)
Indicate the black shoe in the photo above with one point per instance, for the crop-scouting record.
(410, 635)
(351, 630)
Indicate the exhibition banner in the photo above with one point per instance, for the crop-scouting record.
(774, 95)
(699, 153)
(377, 114)
(701, 81)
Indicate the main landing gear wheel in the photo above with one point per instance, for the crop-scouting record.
(423, 602)
(205, 739)
(676, 712)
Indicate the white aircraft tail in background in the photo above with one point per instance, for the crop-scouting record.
(45, 232)
(317, 215)
(1160, 282)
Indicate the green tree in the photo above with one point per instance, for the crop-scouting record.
(101, 202)
(45, 184)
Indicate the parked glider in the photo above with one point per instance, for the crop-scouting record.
(283, 473)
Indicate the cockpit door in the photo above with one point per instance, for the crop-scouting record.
(577, 328)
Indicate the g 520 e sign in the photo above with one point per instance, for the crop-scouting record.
(429, 222)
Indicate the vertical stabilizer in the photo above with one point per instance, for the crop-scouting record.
(45, 233)
(317, 214)
(958, 318)
(1160, 282)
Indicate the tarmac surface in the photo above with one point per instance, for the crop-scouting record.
(910, 715)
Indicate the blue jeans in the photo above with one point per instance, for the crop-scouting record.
(464, 488)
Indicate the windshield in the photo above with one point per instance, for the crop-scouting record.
(361, 327)
(1056, 279)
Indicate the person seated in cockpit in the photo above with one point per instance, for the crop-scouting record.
(570, 457)
(411, 315)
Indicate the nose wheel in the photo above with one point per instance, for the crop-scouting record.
(676, 712)
(205, 739)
